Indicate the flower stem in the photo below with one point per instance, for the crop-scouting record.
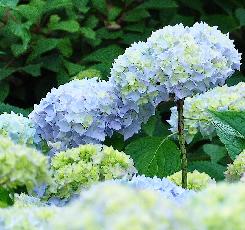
(180, 108)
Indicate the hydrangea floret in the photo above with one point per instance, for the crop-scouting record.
(24, 201)
(21, 166)
(236, 170)
(196, 109)
(80, 167)
(17, 127)
(196, 181)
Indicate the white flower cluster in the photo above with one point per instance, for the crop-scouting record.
(196, 109)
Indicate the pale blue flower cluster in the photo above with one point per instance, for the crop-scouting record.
(196, 109)
(79, 112)
(17, 127)
(166, 188)
(193, 59)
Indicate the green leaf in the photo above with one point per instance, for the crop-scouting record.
(154, 156)
(224, 22)
(230, 127)
(113, 13)
(56, 4)
(186, 20)
(5, 72)
(29, 12)
(156, 4)
(9, 108)
(43, 45)
(107, 54)
(240, 14)
(100, 5)
(235, 79)
(10, 3)
(91, 22)
(88, 33)
(5, 199)
(4, 90)
(72, 68)
(136, 15)
(214, 170)
(137, 27)
(216, 152)
(70, 26)
(104, 33)
(33, 69)
(65, 47)
(155, 127)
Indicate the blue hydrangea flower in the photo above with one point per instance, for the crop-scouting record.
(79, 112)
(193, 59)
(196, 109)
(164, 186)
(17, 127)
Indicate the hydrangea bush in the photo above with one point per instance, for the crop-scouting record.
(236, 170)
(196, 181)
(80, 167)
(196, 109)
(17, 127)
(21, 166)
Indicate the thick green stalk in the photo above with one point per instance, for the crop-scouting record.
(180, 108)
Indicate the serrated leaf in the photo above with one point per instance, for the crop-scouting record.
(224, 22)
(104, 33)
(235, 79)
(29, 12)
(43, 45)
(100, 5)
(214, 170)
(240, 14)
(156, 4)
(70, 26)
(9, 3)
(4, 90)
(230, 127)
(91, 22)
(113, 13)
(5, 72)
(107, 54)
(65, 47)
(56, 4)
(88, 33)
(155, 127)
(9, 108)
(5, 199)
(136, 15)
(72, 68)
(154, 156)
(88, 73)
(34, 69)
(216, 152)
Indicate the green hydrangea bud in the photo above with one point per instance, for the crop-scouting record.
(24, 201)
(236, 170)
(195, 180)
(82, 166)
(21, 166)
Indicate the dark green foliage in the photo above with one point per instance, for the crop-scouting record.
(44, 43)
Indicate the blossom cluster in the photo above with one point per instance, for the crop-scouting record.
(196, 181)
(17, 127)
(193, 59)
(109, 205)
(80, 167)
(113, 206)
(236, 170)
(163, 186)
(21, 166)
(196, 109)
(174, 61)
